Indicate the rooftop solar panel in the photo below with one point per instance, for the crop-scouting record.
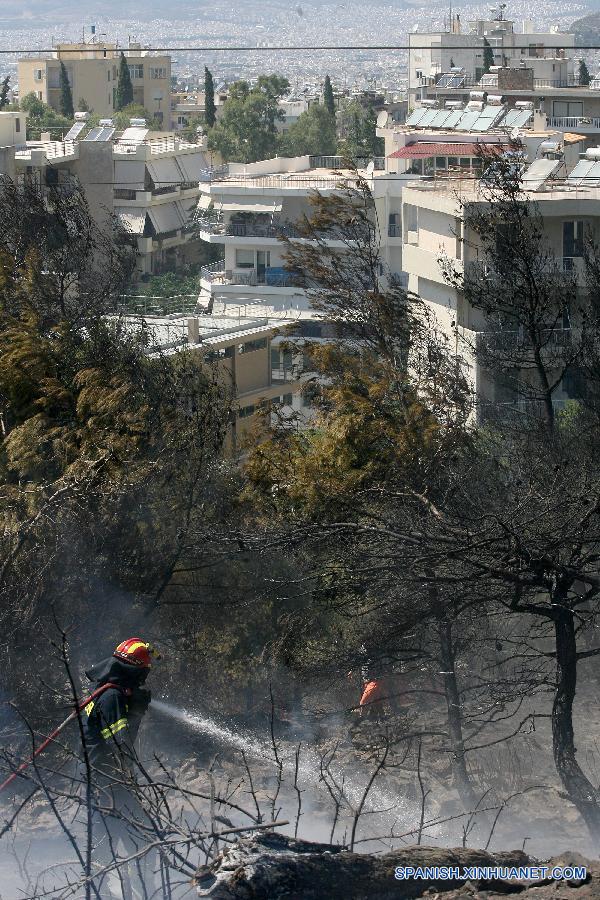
(489, 116)
(457, 81)
(93, 135)
(454, 118)
(510, 117)
(581, 170)
(415, 115)
(522, 118)
(538, 173)
(440, 119)
(106, 134)
(428, 118)
(468, 119)
(75, 131)
(444, 80)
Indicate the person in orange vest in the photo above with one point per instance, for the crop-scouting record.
(110, 724)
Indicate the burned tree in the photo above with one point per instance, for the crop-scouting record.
(532, 320)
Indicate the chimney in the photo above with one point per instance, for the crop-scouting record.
(193, 330)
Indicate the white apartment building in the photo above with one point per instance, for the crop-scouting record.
(156, 196)
(431, 55)
(567, 194)
(150, 183)
(244, 209)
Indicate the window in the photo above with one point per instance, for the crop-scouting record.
(286, 400)
(216, 355)
(441, 162)
(246, 411)
(38, 74)
(108, 75)
(567, 109)
(17, 125)
(158, 72)
(244, 259)
(572, 239)
(136, 71)
(251, 346)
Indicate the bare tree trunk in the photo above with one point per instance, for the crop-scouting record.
(581, 791)
(461, 778)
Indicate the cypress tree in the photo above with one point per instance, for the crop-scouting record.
(584, 73)
(4, 92)
(488, 56)
(124, 86)
(210, 110)
(328, 96)
(66, 97)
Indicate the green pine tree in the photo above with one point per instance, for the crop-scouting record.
(488, 56)
(210, 110)
(328, 99)
(124, 95)
(66, 97)
(4, 101)
(584, 73)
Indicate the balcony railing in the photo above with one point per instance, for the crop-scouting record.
(574, 122)
(249, 229)
(467, 82)
(270, 276)
(516, 340)
(338, 162)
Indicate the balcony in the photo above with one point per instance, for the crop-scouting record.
(517, 340)
(271, 276)
(463, 83)
(249, 229)
(581, 124)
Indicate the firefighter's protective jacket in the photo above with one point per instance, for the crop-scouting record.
(111, 721)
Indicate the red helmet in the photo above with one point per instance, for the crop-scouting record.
(136, 652)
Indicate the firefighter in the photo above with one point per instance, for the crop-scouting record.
(111, 724)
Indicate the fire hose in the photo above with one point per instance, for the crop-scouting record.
(51, 737)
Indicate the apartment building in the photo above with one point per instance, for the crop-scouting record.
(93, 73)
(156, 194)
(150, 184)
(460, 51)
(245, 354)
(245, 209)
(566, 191)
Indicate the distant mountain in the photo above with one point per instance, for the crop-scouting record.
(587, 29)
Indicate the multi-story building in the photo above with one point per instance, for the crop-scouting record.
(246, 356)
(460, 51)
(246, 209)
(93, 73)
(149, 184)
(156, 196)
(566, 192)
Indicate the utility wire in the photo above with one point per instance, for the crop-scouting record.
(94, 48)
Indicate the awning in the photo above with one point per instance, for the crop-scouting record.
(133, 220)
(569, 138)
(166, 217)
(424, 150)
(192, 165)
(164, 172)
(249, 205)
(187, 211)
(129, 174)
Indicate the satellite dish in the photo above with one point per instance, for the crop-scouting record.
(382, 118)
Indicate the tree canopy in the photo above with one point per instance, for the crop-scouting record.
(246, 129)
(314, 133)
(124, 93)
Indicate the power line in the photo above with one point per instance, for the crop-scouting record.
(94, 48)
